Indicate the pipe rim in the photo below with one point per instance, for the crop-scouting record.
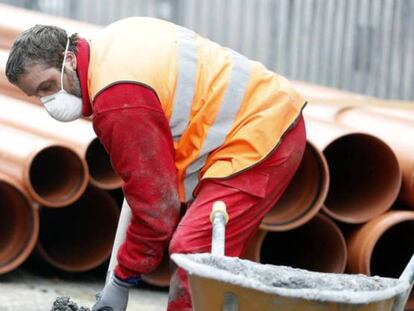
(390, 190)
(75, 166)
(24, 251)
(390, 220)
(382, 224)
(340, 243)
(313, 205)
(102, 175)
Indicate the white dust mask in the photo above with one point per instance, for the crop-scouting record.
(63, 106)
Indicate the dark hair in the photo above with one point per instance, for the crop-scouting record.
(40, 44)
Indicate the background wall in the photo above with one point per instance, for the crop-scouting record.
(366, 46)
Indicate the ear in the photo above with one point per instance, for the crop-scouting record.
(72, 60)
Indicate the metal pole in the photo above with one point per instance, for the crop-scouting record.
(219, 232)
(219, 219)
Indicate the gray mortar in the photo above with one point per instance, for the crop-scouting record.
(65, 304)
(290, 282)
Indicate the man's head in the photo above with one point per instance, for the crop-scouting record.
(35, 62)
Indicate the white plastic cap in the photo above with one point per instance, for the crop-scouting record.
(219, 207)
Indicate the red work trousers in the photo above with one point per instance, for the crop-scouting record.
(248, 196)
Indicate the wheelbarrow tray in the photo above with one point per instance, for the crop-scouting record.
(224, 283)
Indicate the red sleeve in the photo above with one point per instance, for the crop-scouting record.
(132, 127)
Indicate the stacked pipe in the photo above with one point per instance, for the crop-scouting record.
(58, 173)
(79, 236)
(50, 166)
(334, 217)
(368, 150)
(6, 87)
(355, 196)
(19, 224)
(383, 245)
(14, 21)
(79, 135)
(47, 167)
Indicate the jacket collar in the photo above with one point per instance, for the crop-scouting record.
(82, 58)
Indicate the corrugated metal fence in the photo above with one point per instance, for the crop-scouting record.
(365, 46)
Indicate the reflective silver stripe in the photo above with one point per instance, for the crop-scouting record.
(238, 81)
(190, 183)
(191, 176)
(187, 71)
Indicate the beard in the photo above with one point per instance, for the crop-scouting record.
(74, 82)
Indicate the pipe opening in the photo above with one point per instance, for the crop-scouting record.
(392, 253)
(304, 195)
(18, 227)
(316, 246)
(117, 195)
(56, 175)
(365, 178)
(100, 168)
(393, 250)
(79, 237)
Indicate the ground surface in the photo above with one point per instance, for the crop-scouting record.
(26, 290)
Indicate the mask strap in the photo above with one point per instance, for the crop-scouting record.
(63, 64)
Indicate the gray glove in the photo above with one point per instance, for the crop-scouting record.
(114, 296)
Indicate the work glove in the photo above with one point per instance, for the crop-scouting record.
(114, 296)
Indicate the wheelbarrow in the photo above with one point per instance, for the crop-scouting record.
(220, 283)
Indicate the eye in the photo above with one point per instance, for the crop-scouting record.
(46, 87)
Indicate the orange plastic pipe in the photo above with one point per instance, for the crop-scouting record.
(7, 36)
(321, 111)
(52, 173)
(78, 134)
(365, 178)
(19, 224)
(394, 131)
(315, 92)
(14, 20)
(79, 237)
(6, 87)
(328, 96)
(383, 246)
(118, 195)
(318, 245)
(405, 114)
(304, 196)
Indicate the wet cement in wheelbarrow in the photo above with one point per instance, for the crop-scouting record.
(66, 304)
(293, 282)
(287, 277)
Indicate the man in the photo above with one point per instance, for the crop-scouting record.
(184, 120)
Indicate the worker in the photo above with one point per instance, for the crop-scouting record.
(184, 120)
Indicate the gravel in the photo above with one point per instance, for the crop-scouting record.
(65, 304)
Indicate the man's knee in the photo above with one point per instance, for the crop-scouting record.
(176, 245)
(188, 240)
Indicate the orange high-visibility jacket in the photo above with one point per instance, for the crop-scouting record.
(225, 111)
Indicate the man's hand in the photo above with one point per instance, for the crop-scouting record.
(114, 296)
